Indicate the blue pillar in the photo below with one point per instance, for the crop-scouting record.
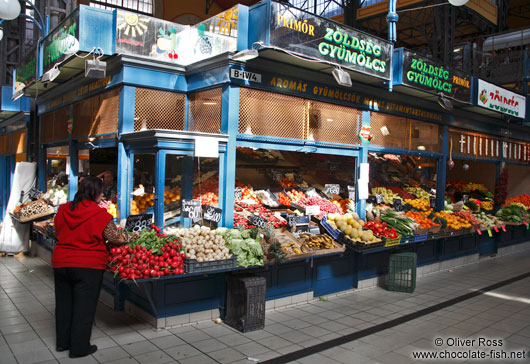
(186, 187)
(160, 177)
(74, 169)
(3, 189)
(441, 170)
(363, 158)
(125, 164)
(229, 125)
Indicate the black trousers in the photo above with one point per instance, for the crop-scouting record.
(76, 297)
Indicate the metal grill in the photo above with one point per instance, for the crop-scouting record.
(97, 115)
(54, 126)
(5, 144)
(19, 142)
(396, 128)
(398, 132)
(334, 123)
(158, 110)
(205, 111)
(272, 114)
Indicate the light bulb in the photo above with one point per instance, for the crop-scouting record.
(1, 33)
(9, 9)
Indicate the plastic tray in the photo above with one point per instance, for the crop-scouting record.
(392, 242)
(332, 232)
(192, 266)
(420, 237)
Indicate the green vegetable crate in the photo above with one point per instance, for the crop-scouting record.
(402, 272)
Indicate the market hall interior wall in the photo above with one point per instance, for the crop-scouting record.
(518, 179)
(478, 172)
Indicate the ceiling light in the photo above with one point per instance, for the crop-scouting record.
(457, 2)
(328, 119)
(50, 75)
(384, 130)
(245, 55)
(94, 68)
(444, 102)
(421, 147)
(9, 9)
(1, 33)
(342, 77)
(209, 103)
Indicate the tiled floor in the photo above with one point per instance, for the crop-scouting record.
(27, 323)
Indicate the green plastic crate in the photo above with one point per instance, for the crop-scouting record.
(402, 272)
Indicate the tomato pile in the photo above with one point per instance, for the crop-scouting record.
(151, 255)
(283, 199)
(381, 230)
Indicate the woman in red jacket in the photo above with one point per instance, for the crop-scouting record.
(79, 260)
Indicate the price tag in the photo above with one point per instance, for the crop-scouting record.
(351, 193)
(503, 228)
(237, 193)
(479, 232)
(192, 209)
(432, 201)
(489, 233)
(212, 213)
(331, 189)
(291, 219)
(312, 210)
(258, 221)
(136, 223)
(465, 198)
(397, 205)
(34, 193)
(379, 199)
(495, 228)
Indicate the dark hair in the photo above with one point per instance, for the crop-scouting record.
(89, 189)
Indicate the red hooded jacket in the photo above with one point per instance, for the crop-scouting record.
(80, 236)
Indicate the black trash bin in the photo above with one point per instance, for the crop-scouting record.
(245, 302)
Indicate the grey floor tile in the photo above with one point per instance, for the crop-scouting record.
(182, 352)
(167, 341)
(234, 339)
(251, 349)
(155, 357)
(110, 354)
(209, 345)
(227, 355)
(140, 347)
(194, 336)
(275, 342)
(199, 359)
(127, 338)
(128, 360)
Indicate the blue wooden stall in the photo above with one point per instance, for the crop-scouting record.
(157, 108)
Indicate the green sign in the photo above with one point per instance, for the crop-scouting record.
(63, 39)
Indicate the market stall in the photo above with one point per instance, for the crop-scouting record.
(254, 167)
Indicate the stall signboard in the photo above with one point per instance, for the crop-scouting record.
(158, 39)
(192, 209)
(300, 87)
(427, 75)
(212, 213)
(297, 31)
(136, 223)
(25, 73)
(499, 99)
(60, 44)
(332, 189)
(258, 221)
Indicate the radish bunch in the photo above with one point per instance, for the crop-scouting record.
(136, 261)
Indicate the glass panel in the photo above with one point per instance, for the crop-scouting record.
(189, 178)
(143, 198)
(399, 175)
(58, 162)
